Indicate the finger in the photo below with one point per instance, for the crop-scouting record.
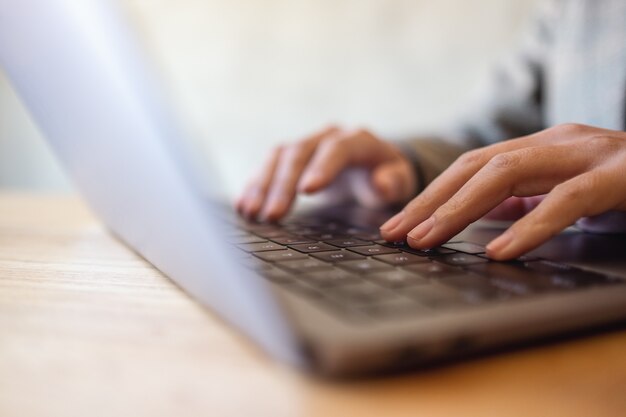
(294, 159)
(252, 200)
(464, 168)
(335, 153)
(435, 194)
(514, 208)
(394, 181)
(523, 172)
(588, 194)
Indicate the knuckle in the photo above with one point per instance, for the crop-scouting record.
(445, 213)
(453, 210)
(605, 143)
(470, 157)
(569, 129)
(295, 154)
(505, 161)
(361, 131)
(569, 192)
(344, 142)
(331, 144)
(364, 134)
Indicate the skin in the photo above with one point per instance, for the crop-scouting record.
(310, 165)
(547, 181)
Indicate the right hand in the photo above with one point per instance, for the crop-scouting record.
(313, 163)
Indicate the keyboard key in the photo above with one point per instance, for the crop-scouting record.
(400, 259)
(348, 243)
(327, 236)
(428, 252)
(397, 245)
(528, 258)
(360, 293)
(466, 247)
(330, 278)
(304, 265)
(253, 227)
(523, 258)
(302, 231)
(541, 276)
(371, 236)
(269, 233)
(260, 247)
(280, 255)
(568, 276)
(291, 240)
(461, 259)
(474, 289)
(312, 247)
(365, 265)
(373, 250)
(435, 296)
(555, 268)
(434, 270)
(277, 275)
(396, 278)
(352, 230)
(337, 256)
(304, 289)
(254, 263)
(248, 238)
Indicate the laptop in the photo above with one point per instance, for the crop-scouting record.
(321, 290)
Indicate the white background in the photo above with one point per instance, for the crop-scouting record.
(248, 74)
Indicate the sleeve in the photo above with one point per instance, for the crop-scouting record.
(508, 103)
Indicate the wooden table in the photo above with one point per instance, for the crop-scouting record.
(87, 328)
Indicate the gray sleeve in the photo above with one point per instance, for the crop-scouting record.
(508, 104)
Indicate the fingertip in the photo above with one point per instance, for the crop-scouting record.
(501, 248)
(253, 208)
(275, 210)
(413, 243)
(393, 235)
(311, 183)
(395, 229)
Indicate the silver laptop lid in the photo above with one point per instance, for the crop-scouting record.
(75, 65)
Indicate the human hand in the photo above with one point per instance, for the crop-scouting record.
(581, 169)
(312, 164)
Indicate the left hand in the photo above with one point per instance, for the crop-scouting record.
(581, 169)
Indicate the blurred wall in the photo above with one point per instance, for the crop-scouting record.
(246, 74)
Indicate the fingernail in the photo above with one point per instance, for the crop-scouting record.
(501, 242)
(422, 229)
(393, 222)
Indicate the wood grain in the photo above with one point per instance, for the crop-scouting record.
(87, 328)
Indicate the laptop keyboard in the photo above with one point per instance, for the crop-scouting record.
(354, 272)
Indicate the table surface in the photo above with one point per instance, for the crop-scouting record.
(88, 328)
